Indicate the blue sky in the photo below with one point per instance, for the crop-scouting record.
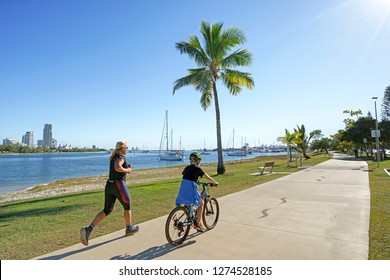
(101, 71)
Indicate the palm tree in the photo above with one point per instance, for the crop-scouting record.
(292, 140)
(303, 145)
(216, 60)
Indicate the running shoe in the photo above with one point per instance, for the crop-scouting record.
(84, 235)
(131, 230)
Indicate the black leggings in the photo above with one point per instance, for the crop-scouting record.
(116, 189)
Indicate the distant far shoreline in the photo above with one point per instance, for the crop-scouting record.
(52, 152)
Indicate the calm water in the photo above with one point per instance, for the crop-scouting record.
(22, 171)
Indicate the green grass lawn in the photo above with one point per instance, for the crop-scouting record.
(380, 210)
(33, 227)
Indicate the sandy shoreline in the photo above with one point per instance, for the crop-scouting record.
(97, 182)
(27, 193)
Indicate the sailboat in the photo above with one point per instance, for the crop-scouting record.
(204, 152)
(168, 155)
(236, 152)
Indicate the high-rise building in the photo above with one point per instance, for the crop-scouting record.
(47, 135)
(28, 138)
(8, 141)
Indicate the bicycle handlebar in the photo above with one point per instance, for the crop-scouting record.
(206, 184)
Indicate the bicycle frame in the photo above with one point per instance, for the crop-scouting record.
(183, 217)
(192, 208)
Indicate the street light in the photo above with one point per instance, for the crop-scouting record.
(376, 135)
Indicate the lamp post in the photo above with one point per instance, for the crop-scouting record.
(376, 135)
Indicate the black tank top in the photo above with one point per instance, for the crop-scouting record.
(192, 173)
(115, 175)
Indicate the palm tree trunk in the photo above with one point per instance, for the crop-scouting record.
(305, 154)
(220, 167)
(289, 153)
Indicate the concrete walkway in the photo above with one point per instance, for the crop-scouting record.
(321, 212)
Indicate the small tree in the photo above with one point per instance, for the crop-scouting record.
(359, 130)
(384, 127)
(304, 142)
(386, 105)
(349, 122)
(323, 144)
(291, 140)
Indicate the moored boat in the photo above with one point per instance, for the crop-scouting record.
(168, 155)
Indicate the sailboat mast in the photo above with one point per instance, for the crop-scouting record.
(166, 123)
(171, 139)
(233, 138)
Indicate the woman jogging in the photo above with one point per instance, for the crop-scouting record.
(115, 188)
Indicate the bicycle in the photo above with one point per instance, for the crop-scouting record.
(181, 218)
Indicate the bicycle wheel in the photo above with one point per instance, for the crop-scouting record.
(177, 226)
(210, 212)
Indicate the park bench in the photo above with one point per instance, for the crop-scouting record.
(268, 164)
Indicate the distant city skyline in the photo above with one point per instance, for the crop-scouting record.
(28, 139)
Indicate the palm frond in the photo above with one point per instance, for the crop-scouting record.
(207, 97)
(237, 58)
(234, 80)
(291, 139)
(211, 36)
(194, 50)
(233, 87)
(201, 79)
(207, 40)
(234, 36)
(230, 38)
(182, 82)
(198, 78)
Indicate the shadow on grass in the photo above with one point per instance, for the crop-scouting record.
(34, 212)
(46, 206)
(59, 197)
